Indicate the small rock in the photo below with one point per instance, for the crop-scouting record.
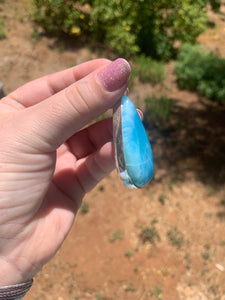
(220, 267)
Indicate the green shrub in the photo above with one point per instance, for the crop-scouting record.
(98, 296)
(127, 27)
(133, 75)
(129, 253)
(2, 31)
(189, 66)
(203, 72)
(149, 233)
(162, 198)
(155, 292)
(117, 235)
(222, 202)
(176, 237)
(101, 188)
(157, 110)
(215, 4)
(150, 27)
(84, 208)
(149, 70)
(61, 16)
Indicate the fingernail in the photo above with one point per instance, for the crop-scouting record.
(141, 115)
(115, 75)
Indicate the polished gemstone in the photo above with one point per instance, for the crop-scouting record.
(132, 147)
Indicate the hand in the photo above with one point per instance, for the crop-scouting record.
(46, 165)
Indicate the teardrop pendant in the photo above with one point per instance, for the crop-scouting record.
(133, 153)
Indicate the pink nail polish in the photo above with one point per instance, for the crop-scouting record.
(115, 75)
(141, 115)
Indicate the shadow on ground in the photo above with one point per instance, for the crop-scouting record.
(62, 42)
(191, 143)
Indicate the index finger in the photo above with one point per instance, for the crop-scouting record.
(46, 86)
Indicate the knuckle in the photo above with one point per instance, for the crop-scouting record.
(76, 98)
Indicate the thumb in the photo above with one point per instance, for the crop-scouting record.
(51, 122)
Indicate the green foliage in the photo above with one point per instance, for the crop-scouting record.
(101, 188)
(157, 110)
(214, 290)
(222, 202)
(201, 72)
(128, 253)
(132, 79)
(162, 198)
(175, 237)
(2, 31)
(84, 208)
(149, 70)
(113, 22)
(189, 66)
(103, 116)
(34, 35)
(149, 233)
(188, 260)
(155, 291)
(149, 26)
(98, 296)
(117, 235)
(127, 27)
(215, 4)
(57, 16)
(206, 255)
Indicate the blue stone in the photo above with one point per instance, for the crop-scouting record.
(135, 164)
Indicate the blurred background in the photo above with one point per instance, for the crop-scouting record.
(166, 241)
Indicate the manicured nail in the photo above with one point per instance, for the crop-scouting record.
(115, 75)
(141, 115)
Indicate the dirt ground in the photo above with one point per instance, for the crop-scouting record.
(104, 256)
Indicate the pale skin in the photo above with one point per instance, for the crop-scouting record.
(46, 165)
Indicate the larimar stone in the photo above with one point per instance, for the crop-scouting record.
(133, 153)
